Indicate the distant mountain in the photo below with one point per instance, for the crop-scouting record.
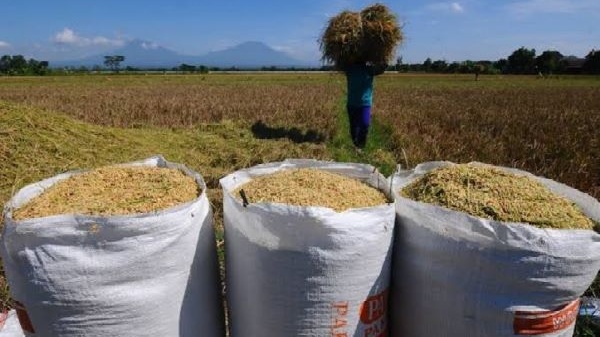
(249, 54)
(138, 53)
(144, 54)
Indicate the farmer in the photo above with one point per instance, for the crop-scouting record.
(359, 77)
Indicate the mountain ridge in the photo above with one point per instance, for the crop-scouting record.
(145, 54)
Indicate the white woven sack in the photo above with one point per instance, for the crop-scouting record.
(307, 271)
(151, 274)
(458, 275)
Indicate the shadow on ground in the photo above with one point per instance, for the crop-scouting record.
(261, 130)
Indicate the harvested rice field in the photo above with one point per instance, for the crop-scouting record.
(496, 194)
(311, 187)
(113, 191)
(219, 123)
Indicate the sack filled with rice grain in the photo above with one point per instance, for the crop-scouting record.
(125, 250)
(307, 249)
(489, 251)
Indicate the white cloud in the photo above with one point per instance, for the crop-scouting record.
(4, 45)
(452, 7)
(149, 45)
(284, 49)
(103, 41)
(528, 7)
(456, 7)
(304, 50)
(69, 37)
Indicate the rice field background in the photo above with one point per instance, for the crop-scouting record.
(217, 123)
(548, 127)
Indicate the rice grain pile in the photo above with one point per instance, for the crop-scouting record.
(113, 191)
(492, 193)
(311, 187)
(369, 36)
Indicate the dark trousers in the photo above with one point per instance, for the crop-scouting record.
(360, 119)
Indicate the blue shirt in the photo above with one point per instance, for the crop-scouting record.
(360, 84)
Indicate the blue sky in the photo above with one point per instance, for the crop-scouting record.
(450, 30)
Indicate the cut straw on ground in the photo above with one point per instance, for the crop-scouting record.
(495, 194)
(311, 187)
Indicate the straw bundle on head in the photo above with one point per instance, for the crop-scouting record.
(381, 33)
(369, 36)
(341, 41)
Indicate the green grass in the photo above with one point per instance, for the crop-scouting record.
(377, 151)
(37, 143)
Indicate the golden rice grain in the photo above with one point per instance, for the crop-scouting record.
(311, 187)
(492, 193)
(113, 191)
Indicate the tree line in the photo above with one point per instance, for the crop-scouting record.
(19, 65)
(521, 61)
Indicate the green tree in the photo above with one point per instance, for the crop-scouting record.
(592, 62)
(427, 65)
(398, 65)
(501, 65)
(187, 68)
(479, 68)
(18, 65)
(549, 61)
(202, 69)
(439, 66)
(113, 62)
(453, 67)
(43, 69)
(467, 67)
(35, 67)
(5, 64)
(522, 61)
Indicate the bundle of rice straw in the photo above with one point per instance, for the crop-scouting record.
(369, 36)
(381, 34)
